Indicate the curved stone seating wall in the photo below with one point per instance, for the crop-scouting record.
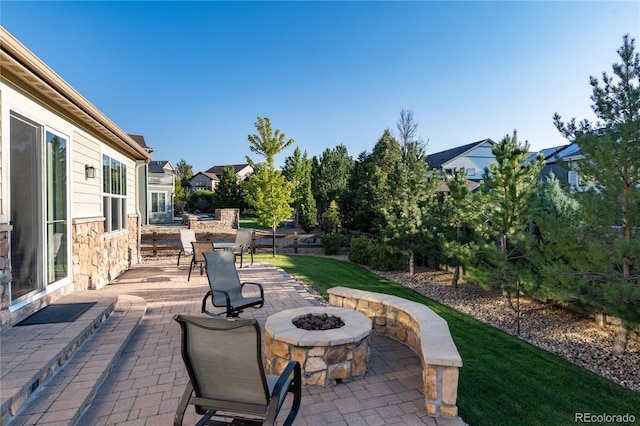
(422, 330)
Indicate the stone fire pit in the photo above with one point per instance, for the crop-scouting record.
(327, 357)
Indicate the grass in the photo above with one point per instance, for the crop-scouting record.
(251, 223)
(504, 381)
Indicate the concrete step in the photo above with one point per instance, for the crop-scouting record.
(51, 372)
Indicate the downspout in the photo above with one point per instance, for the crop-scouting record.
(137, 197)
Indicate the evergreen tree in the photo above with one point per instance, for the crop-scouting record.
(330, 176)
(370, 195)
(228, 191)
(412, 199)
(297, 170)
(611, 150)
(509, 188)
(460, 217)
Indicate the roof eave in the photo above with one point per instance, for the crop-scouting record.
(25, 71)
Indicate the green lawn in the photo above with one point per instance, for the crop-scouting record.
(504, 381)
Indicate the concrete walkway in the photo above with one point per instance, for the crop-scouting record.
(145, 378)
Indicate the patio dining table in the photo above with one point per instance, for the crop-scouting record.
(225, 246)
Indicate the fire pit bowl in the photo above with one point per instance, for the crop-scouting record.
(327, 357)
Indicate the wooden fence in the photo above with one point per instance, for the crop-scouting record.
(154, 244)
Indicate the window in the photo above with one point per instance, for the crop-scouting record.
(158, 202)
(471, 172)
(114, 188)
(574, 179)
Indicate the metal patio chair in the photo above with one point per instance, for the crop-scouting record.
(243, 243)
(227, 380)
(225, 286)
(199, 249)
(187, 236)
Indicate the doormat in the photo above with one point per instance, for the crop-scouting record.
(58, 312)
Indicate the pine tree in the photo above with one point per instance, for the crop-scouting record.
(412, 198)
(228, 191)
(509, 188)
(297, 170)
(611, 150)
(460, 216)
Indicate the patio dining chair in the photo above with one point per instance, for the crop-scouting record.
(227, 380)
(187, 236)
(197, 259)
(243, 243)
(226, 290)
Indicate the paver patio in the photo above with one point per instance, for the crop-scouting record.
(148, 379)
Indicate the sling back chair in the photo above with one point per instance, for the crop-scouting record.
(187, 236)
(243, 243)
(225, 286)
(199, 249)
(227, 379)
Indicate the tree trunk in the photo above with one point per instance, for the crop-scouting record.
(274, 241)
(456, 275)
(507, 297)
(411, 264)
(620, 342)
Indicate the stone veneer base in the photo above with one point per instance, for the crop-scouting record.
(326, 357)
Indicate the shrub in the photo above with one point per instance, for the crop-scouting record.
(384, 257)
(332, 243)
(360, 250)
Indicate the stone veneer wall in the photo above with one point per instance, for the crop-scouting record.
(420, 329)
(5, 274)
(225, 219)
(322, 366)
(97, 258)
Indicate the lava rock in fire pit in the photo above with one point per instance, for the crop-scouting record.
(318, 322)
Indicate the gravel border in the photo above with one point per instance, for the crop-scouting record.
(577, 338)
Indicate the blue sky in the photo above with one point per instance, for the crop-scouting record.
(192, 77)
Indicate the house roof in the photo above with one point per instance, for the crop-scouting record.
(140, 140)
(218, 169)
(25, 71)
(570, 151)
(211, 176)
(436, 160)
(160, 166)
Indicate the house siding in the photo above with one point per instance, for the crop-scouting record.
(477, 159)
(29, 88)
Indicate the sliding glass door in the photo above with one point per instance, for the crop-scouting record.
(39, 212)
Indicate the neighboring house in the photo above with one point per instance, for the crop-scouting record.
(142, 178)
(204, 180)
(161, 191)
(474, 157)
(563, 162)
(69, 218)
(210, 179)
(242, 170)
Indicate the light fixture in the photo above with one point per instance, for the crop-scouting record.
(89, 172)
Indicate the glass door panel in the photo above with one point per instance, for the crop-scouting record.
(26, 206)
(57, 258)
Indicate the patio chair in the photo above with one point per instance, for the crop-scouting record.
(225, 287)
(199, 248)
(227, 379)
(243, 243)
(187, 236)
